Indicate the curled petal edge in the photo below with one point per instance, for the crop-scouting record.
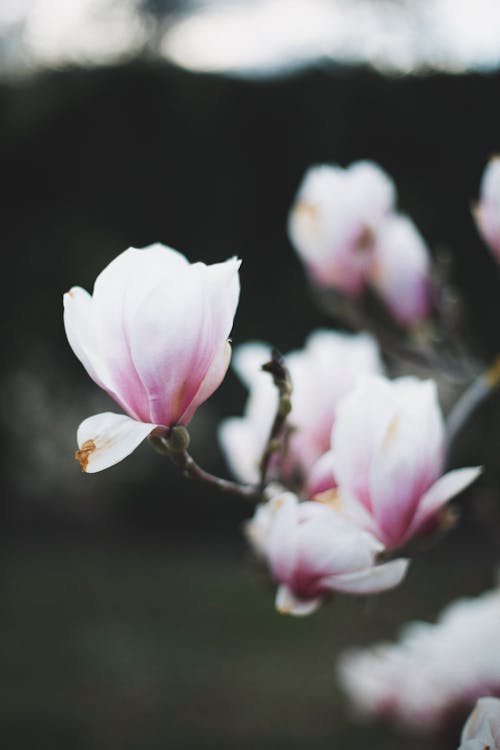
(289, 604)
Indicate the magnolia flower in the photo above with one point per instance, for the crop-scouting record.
(312, 551)
(434, 672)
(401, 270)
(482, 730)
(388, 447)
(344, 227)
(487, 210)
(154, 336)
(322, 373)
(334, 219)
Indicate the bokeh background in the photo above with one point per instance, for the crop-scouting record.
(132, 615)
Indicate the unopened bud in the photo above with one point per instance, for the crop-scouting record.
(177, 439)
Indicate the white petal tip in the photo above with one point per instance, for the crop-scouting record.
(106, 439)
(287, 603)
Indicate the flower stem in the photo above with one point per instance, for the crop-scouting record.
(175, 443)
(192, 470)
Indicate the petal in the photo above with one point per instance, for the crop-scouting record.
(483, 724)
(178, 331)
(79, 326)
(282, 542)
(408, 459)
(330, 544)
(370, 580)
(441, 491)
(119, 291)
(322, 373)
(320, 478)
(289, 604)
(401, 271)
(486, 213)
(83, 337)
(363, 418)
(242, 446)
(248, 360)
(106, 439)
(211, 381)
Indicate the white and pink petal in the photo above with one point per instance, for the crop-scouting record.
(106, 439)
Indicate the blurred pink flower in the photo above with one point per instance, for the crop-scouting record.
(322, 373)
(345, 228)
(487, 210)
(154, 336)
(482, 729)
(312, 551)
(334, 219)
(434, 672)
(388, 446)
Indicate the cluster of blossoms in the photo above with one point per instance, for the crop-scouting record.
(371, 476)
(345, 227)
(459, 657)
(365, 454)
(344, 464)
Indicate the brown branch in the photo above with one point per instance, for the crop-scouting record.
(175, 443)
(277, 369)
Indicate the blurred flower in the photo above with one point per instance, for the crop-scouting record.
(434, 671)
(482, 729)
(344, 227)
(401, 270)
(334, 219)
(154, 337)
(388, 447)
(487, 210)
(311, 551)
(321, 373)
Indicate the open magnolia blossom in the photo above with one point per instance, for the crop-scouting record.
(344, 227)
(321, 373)
(312, 551)
(387, 458)
(482, 729)
(487, 210)
(334, 219)
(434, 672)
(154, 336)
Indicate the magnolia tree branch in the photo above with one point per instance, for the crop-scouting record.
(175, 443)
(276, 441)
(470, 400)
(421, 346)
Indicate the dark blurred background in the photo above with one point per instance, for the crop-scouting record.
(132, 616)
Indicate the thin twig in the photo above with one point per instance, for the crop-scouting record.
(473, 396)
(175, 442)
(281, 378)
(192, 470)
